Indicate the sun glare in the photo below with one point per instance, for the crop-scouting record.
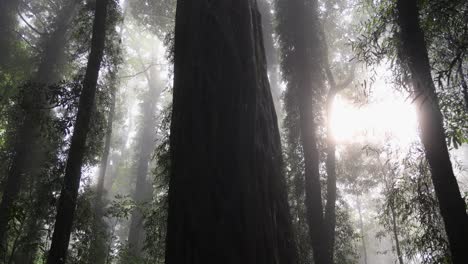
(376, 122)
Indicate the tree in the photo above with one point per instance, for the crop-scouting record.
(33, 140)
(303, 69)
(227, 197)
(146, 144)
(415, 56)
(69, 193)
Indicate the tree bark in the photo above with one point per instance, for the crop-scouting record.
(32, 143)
(69, 193)
(227, 195)
(452, 206)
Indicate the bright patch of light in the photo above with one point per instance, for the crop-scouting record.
(392, 118)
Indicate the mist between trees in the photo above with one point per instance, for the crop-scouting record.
(233, 131)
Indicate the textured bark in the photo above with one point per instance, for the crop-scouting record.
(32, 143)
(227, 195)
(146, 146)
(452, 206)
(69, 193)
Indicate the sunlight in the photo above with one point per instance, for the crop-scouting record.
(391, 118)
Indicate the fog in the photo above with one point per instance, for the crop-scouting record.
(253, 131)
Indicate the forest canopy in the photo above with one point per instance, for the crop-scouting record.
(233, 131)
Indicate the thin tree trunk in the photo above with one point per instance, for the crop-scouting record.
(395, 235)
(105, 155)
(67, 201)
(452, 206)
(227, 194)
(361, 226)
(464, 84)
(31, 142)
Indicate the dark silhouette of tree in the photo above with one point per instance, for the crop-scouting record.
(303, 65)
(67, 201)
(415, 56)
(227, 196)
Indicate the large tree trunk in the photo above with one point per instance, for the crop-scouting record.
(32, 142)
(67, 201)
(452, 206)
(227, 194)
(146, 145)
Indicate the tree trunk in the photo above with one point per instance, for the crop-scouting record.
(361, 226)
(227, 194)
(32, 143)
(303, 67)
(452, 206)
(464, 84)
(395, 235)
(146, 146)
(330, 164)
(67, 201)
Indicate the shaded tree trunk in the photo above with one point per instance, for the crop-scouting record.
(32, 142)
(452, 206)
(227, 195)
(67, 201)
(303, 69)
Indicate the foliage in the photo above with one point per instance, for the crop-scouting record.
(410, 200)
